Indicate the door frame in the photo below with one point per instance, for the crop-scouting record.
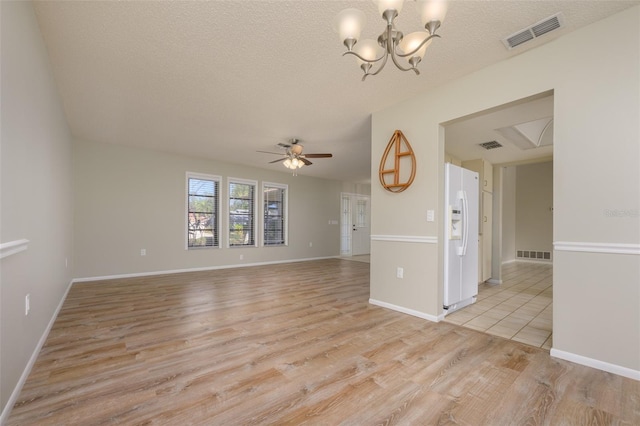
(347, 223)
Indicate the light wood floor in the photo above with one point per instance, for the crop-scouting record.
(358, 258)
(290, 344)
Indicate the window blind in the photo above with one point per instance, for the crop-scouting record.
(202, 216)
(241, 214)
(274, 215)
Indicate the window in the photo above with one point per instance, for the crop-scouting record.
(275, 214)
(361, 218)
(202, 210)
(346, 225)
(242, 213)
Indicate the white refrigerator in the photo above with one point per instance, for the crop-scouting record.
(461, 191)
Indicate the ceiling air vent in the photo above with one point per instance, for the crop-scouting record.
(490, 145)
(536, 30)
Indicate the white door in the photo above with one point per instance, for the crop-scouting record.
(360, 241)
(355, 226)
(345, 225)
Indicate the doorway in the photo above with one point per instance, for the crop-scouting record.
(515, 283)
(355, 226)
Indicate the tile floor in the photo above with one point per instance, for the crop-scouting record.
(518, 309)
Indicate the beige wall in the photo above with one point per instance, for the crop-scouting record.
(596, 169)
(509, 214)
(36, 196)
(128, 199)
(534, 203)
(496, 230)
(599, 306)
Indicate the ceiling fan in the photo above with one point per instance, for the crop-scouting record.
(293, 158)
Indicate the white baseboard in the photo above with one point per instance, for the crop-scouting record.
(32, 360)
(594, 363)
(493, 281)
(506, 262)
(407, 310)
(206, 268)
(540, 262)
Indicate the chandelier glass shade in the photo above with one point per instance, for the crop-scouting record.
(391, 42)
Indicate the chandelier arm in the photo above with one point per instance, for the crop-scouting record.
(351, 52)
(400, 67)
(419, 46)
(390, 45)
(386, 56)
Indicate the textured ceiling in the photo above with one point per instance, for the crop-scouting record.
(222, 79)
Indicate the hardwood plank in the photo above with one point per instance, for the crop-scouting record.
(260, 345)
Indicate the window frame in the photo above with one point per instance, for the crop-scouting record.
(254, 183)
(213, 178)
(285, 212)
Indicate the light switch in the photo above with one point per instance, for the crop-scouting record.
(431, 215)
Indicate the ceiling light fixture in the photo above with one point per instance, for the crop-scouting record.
(293, 162)
(391, 42)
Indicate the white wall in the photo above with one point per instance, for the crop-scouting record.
(596, 171)
(534, 207)
(128, 199)
(36, 192)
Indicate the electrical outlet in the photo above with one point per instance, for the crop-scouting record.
(27, 304)
(310, 244)
(400, 272)
(242, 257)
(431, 215)
(143, 252)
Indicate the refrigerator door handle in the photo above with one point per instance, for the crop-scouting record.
(465, 220)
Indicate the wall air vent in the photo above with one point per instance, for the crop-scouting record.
(533, 255)
(490, 145)
(536, 30)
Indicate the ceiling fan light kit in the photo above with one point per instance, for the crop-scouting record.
(293, 158)
(391, 42)
(293, 163)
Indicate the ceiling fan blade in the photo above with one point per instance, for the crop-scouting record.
(318, 155)
(305, 161)
(268, 152)
(278, 160)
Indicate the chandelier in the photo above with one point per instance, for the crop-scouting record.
(391, 42)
